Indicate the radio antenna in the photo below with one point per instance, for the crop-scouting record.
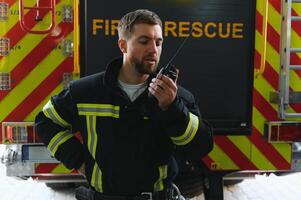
(179, 49)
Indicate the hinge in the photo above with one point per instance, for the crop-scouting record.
(3, 11)
(67, 78)
(67, 14)
(67, 48)
(5, 81)
(4, 46)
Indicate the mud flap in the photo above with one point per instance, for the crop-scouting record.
(213, 186)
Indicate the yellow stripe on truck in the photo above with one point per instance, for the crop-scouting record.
(61, 169)
(221, 160)
(31, 81)
(283, 149)
(27, 44)
(31, 116)
(13, 17)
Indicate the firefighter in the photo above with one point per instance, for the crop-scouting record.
(128, 139)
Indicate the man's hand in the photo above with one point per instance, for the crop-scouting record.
(164, 89)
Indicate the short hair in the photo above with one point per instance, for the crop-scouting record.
(141, 16)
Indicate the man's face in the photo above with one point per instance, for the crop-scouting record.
(144, 48)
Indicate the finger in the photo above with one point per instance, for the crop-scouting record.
(155, 82)
(161, 84)
(169, 82)
(156, 89)
(158, 95)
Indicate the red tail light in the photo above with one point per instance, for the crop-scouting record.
(19, 132)
(283, 131)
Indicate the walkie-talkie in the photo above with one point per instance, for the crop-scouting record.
(170, 70)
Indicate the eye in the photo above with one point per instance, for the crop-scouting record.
(159, 43)
(143, 41)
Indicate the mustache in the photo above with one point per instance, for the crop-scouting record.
(151, 58)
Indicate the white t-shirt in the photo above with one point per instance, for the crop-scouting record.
(133, 91)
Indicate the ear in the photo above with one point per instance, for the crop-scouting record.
(122, 45)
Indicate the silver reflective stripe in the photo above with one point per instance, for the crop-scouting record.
(104, 110)
(58, 140)
(99, 110)
(189, 133)
(159, 186)
(51, 113)
(92, 134)
(92, 138)
(96, 179)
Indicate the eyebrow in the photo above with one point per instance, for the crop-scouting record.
(146, 37)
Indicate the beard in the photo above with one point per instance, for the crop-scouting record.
(144, 68)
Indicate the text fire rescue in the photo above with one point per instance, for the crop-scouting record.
(224, 30)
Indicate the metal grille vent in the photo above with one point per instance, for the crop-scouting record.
(67, 14)
(4, 46)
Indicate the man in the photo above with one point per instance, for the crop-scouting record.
(128, 139)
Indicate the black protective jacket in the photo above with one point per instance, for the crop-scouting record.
(126, 145)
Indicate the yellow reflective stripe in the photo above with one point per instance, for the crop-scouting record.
(58, 140)
(190, 132)
(159, 186)
(103, 110)
(92, 134)
(51, 113)
(96, 180)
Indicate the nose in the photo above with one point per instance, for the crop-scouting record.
(153, 48)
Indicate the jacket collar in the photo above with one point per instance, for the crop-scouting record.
(111, 73)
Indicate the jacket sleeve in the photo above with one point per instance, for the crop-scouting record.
(191, 135)
(56, 125)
